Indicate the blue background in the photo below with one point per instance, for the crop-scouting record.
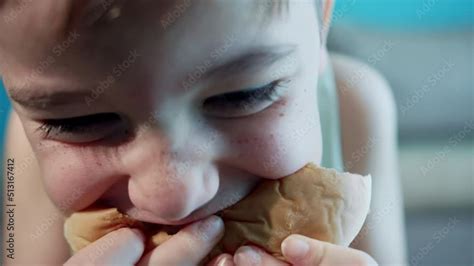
(405, 14)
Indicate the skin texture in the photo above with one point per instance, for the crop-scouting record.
(162, 167)
(370, 97)
(162, 161)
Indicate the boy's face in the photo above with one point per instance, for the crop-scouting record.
(165, 123)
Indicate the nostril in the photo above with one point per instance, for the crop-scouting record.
(117, 195)
(175, 201)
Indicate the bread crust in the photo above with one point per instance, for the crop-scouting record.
(316, 202)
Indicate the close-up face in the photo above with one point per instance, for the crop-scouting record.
(168, 110)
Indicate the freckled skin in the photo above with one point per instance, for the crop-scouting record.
(177, 169)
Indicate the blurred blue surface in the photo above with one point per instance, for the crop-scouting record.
(4, 109)
(415, 14)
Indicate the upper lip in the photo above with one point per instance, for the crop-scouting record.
(210, 208)
(150, 218)
(126, 207)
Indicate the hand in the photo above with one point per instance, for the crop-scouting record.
(297, 250)
(125, 247)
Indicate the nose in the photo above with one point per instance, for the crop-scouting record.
(170, 183)
(170, 193)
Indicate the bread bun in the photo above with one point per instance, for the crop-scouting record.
(316, 202)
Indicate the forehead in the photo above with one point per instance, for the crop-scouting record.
(171, 31)
(64, 13)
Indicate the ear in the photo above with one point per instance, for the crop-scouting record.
(327, 8)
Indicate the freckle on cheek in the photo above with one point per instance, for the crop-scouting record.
(247, 140)
(282, 102)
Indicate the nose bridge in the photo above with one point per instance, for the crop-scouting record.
(171, 121)
(152, 155)
(159, 133)
(172, 133)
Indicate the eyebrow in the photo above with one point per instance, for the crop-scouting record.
(37, 100)
(251, 61)
(247, 62)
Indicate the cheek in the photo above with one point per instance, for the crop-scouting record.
(282, 139)
(74, 179)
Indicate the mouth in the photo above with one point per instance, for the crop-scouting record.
(150, 218)
(214, 207)
(151, 221)
(226, 197)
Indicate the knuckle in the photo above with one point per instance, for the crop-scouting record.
(207, 231)
(198, 236)
(194, 240)
(191, 244)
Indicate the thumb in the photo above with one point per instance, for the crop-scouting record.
(301, 250)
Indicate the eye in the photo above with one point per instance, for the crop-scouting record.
(246, 102)
(81, 129)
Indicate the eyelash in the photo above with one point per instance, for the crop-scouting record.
(240, 100)
(246, 99)
(77, 125)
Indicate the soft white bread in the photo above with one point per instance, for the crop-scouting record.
(316, 202)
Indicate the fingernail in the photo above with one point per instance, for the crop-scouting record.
(247, 256)
(295, 247)
(225, 261)
(209, 228)
(139, 234)
(136, 245)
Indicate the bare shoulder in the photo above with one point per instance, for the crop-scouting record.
(361, 83)
(367, 107)
(36, 224)
(369, 143)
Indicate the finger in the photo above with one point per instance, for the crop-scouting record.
(301, 250)
(222, 260)
(121, 247)
(250, 255)
(189, 246)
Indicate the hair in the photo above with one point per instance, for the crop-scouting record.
(323, 12)
(283, 5)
